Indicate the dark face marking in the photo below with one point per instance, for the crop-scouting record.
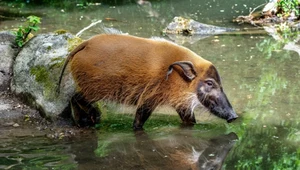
(213, 73)
(211, 95)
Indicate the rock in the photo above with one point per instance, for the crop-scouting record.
(15, 125)
(36, 72)
(270, 8)
(8, 51)
(184, 26)
(183, 30)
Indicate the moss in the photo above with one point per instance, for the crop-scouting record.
(60, 31)
(114, 122)
(40, 73)
(47, 75)
(57, 62)
(43, 77)
(73, 43)
(49, 48)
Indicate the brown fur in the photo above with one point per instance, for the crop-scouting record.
(146, 73)
(107, 67)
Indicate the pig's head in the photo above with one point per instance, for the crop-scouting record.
(209, 88)
(210, 93)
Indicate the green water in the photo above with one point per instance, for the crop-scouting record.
(259, 76)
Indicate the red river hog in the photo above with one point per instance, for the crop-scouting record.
(145, 73)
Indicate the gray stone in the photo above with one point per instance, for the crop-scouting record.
(184, 26)
(8, 52)
(183, 30)
(36, 71)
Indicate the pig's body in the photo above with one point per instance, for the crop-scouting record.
(145, 73)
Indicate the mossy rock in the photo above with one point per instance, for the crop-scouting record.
(37, 69)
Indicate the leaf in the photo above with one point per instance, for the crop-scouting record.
(20, 43)
(19, 33)
(27, 30)
(34, 19)
(22, 33)
(34, 28)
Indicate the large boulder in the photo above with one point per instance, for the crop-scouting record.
(8, 51)
(37, 69)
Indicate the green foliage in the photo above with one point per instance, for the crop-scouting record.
(22, 35)
(288, 6)
(284, 34)
(288, 161)
(266, 149)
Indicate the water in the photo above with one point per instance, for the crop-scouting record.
(259, 76)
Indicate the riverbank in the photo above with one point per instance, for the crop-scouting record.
(19, 120)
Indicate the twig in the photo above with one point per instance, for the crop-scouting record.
(88, 27)
(250, 12)
(27, 33)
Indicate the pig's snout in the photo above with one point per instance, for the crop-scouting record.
(232, 117)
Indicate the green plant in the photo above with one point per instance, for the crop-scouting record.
(22, 35)
(288, 6)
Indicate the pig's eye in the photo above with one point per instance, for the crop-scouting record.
(209, 83)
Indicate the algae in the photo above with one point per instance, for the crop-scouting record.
(73, 43)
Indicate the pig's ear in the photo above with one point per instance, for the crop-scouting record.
(187, 69)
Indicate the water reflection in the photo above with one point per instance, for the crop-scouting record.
(35, 153)
(180, 149)
(266, 147)
(181, 39)
(213, 157)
